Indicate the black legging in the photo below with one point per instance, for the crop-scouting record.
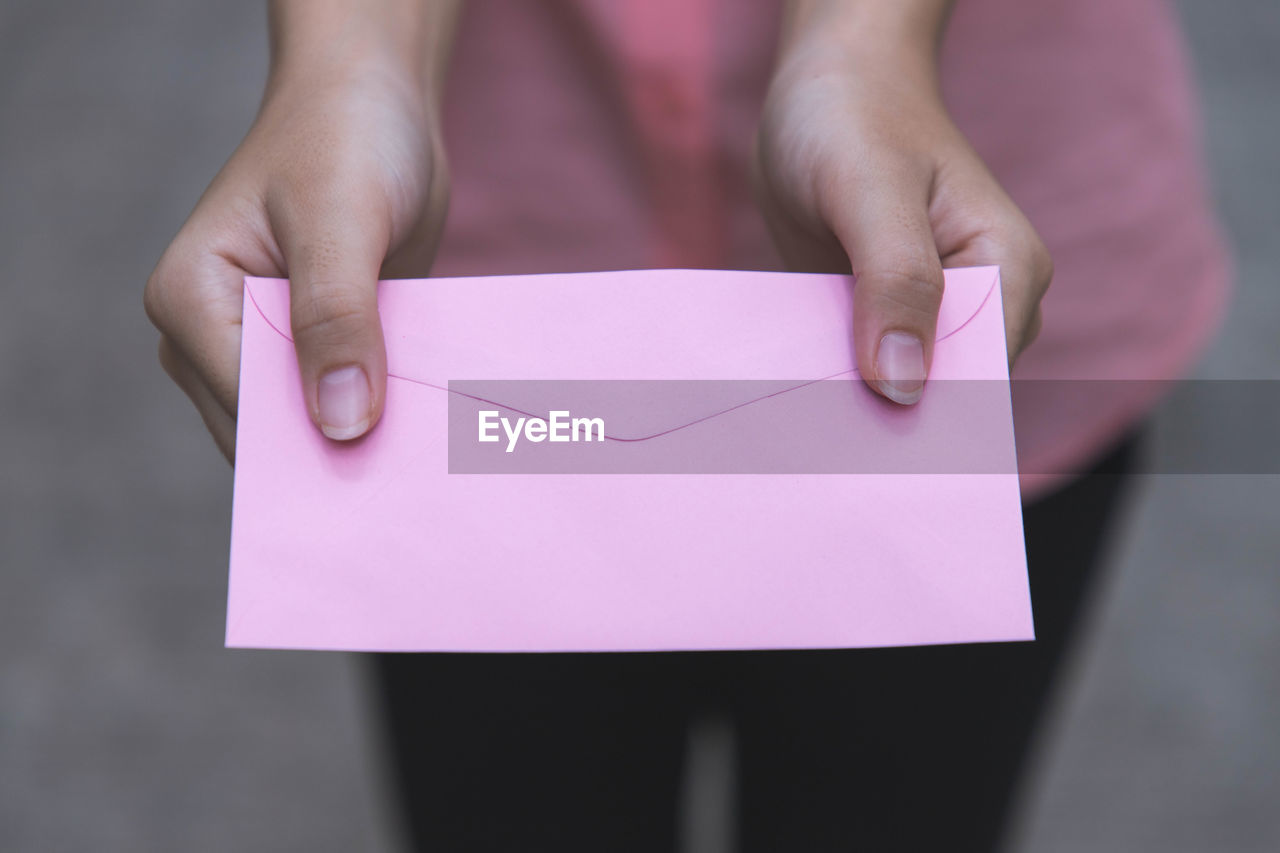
(867, 749)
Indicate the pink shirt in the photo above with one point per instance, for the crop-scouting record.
(614, 134)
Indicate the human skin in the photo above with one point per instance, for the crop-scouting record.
(859, 168)
(342, 179)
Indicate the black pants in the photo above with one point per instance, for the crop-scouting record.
(879, 749)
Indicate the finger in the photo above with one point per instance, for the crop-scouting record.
(887, 235)
(805, 246)
(217, 419)
(195, 300)
(333, 247)
(804, 251)
(1026, 271)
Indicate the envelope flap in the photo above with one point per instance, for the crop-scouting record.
(967, 291)
(629, 325)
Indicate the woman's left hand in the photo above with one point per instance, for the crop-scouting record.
(859, 168)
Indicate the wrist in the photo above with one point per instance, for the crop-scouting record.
(398, 44)
(895, 42)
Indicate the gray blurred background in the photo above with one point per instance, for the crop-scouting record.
(124, 725)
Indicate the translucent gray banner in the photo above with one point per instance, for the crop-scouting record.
(830, 426)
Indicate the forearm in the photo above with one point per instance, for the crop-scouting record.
(320, 39)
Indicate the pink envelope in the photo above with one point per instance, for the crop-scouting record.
(404, 541)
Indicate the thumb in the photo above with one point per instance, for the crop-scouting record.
(333, 251)
(898, 289)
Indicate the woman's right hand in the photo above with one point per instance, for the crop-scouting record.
(341, 180)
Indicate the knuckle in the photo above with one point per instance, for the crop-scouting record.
(1036, 256)
(1042, 264)
(1032, 330)
(158, 296)
(328, 315)
(1037, 324)
(918, 287)
(178, 371)
(168, 296)
(168, 359)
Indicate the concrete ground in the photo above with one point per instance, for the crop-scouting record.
(124, 726)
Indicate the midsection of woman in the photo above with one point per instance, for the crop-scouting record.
(606, 134)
